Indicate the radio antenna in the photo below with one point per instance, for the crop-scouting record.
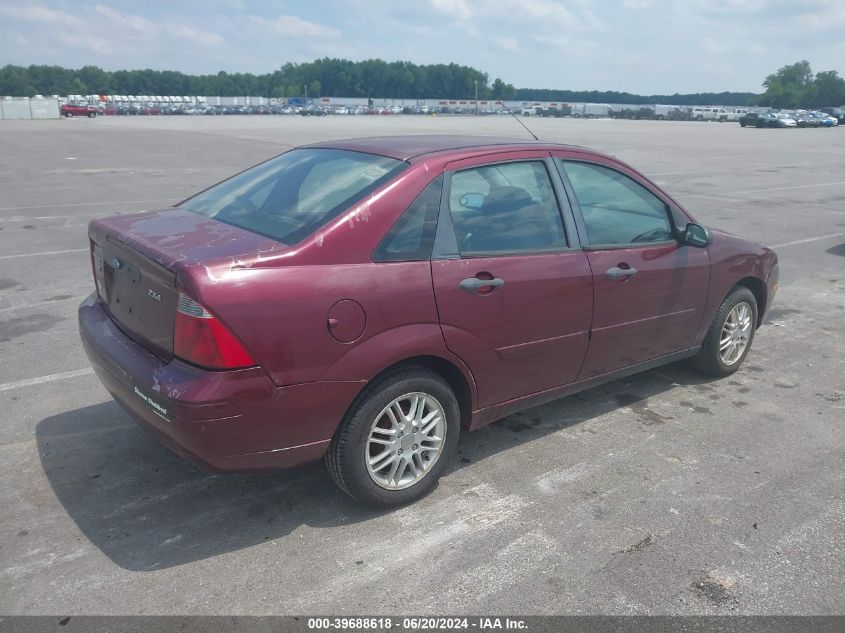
(520, 121)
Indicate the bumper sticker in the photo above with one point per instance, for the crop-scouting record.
(159, 410)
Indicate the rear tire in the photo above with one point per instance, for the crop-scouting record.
(69, 115)
(730, 336)
(411, 417)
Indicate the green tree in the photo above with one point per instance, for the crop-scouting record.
(788, 87)
(502, 90)
(828, 89)
(78, 87)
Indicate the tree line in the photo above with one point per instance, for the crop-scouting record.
(790, 87)
(795, 86)
(332, 77)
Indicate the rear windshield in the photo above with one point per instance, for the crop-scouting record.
(290, 196)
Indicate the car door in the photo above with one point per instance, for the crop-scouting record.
(649, 289)
(513, 290)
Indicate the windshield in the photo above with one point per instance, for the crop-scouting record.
(288, 197)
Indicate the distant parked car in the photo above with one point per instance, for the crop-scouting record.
(754, 119)
(825, 119)
(805, 119)
(784, 120)
(71, 110)
(370, 300)
(838, 113)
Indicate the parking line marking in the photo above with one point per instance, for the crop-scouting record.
(37, 217)
(820, 184)
(73, 250)
(727, 169)
(85, 204)
(29, 382)
(87, 216)
(809, 239)
(41, 304)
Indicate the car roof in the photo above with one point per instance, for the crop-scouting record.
(410, 147)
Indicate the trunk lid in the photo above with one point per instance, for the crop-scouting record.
(137, 258)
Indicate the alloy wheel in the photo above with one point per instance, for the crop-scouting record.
(405, 441)
(736, 333)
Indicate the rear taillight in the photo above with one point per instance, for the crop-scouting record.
(201, 338)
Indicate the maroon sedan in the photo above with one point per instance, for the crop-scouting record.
(369, 300)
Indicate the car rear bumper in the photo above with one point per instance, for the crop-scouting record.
(222, 420)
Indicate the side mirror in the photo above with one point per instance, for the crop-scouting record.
(696, 235)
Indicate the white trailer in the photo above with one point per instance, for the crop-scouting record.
(591, 110)
(666, 111)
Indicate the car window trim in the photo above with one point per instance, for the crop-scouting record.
(573, 235)
(437, 221)
(445, 239)
(586, 244)
(447, 244)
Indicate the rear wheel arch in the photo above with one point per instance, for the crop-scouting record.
(460, 384)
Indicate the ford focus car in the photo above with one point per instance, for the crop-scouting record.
(367, 301)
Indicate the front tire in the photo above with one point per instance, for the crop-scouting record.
(396, 439)
(68, 115)
(731, 333)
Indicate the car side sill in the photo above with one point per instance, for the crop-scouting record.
(483, 417)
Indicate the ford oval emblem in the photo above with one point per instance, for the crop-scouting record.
(116, 263)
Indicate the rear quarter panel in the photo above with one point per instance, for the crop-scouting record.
(281, 315)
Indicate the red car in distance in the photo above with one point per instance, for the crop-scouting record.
(71, 110)
(369, 300)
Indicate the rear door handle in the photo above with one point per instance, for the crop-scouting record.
(474, 284)
(620, 273)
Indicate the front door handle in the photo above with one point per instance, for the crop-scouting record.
(620, 273)
(474, 284)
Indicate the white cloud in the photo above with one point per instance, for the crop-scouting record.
(711, 45)
(41, 14)
(87, 42)
(293, 26)
(168, 29)
(636, 5)
(580, 17)
(135, 23)
(567, 44)
(831, 16)
(458, 9)
(507, 43)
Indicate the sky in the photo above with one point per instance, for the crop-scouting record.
(639, 46)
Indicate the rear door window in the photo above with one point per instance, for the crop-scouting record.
(505, 208)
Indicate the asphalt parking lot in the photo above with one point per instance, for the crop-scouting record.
(665, 493)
